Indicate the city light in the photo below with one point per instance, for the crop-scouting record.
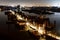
(30, 19)
(32, 25)
(12, 12)
(20, 23)
(27, 23)
(19, 17)
(54, 36)
(41, 30)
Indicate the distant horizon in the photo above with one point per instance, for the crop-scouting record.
(28, 5)
(31, 2)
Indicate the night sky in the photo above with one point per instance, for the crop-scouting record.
(31, 2)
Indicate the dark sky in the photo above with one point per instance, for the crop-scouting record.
(31, 2)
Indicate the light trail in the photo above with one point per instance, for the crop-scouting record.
(40, 30)
(54, 36)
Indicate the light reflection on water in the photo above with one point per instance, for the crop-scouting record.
(56, 16)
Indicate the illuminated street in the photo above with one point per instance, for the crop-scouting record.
(32, 26)
(29, 19)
